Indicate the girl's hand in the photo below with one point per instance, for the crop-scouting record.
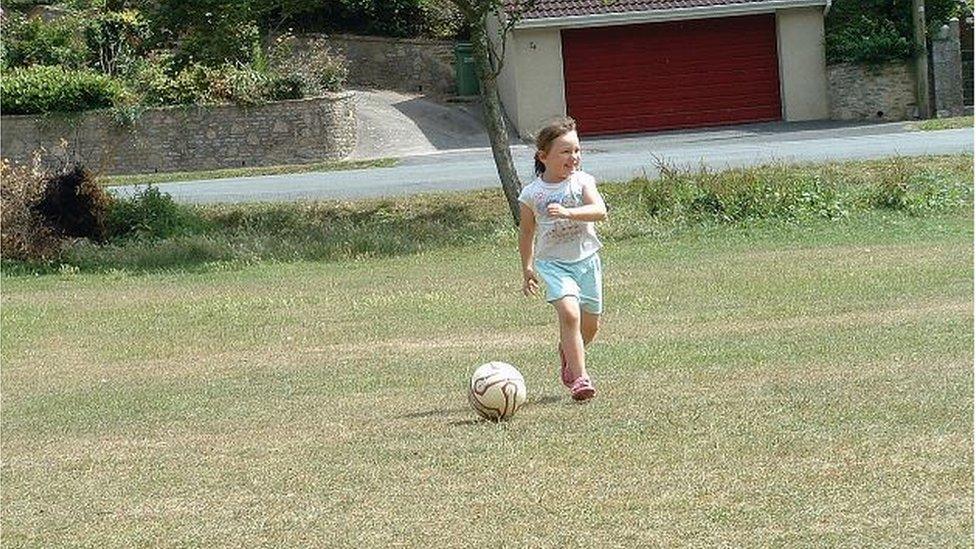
(558, 210)
(530, 283)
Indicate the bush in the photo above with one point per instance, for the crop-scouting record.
(868, 41)
(23, 234)
(872, 31)
(309, 63)
(41, 89)
(207, 32)
(33, 42)
(40, 210)
(155, 83)
(149, 215)
(74, 205)
(396, 18)
(115, 39)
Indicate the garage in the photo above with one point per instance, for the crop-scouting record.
(678, 74)
(649, 65)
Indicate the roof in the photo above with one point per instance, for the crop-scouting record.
(543, 13)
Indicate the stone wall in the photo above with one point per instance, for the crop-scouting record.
(411, 65)
(190, 138)
(859, 92)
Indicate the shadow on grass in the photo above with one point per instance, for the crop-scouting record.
(541, 401)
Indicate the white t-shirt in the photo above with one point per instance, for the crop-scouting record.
(561, 239)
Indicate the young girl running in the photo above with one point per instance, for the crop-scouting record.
(558, 245)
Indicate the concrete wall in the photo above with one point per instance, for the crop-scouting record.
(411, 65)
(190, 138)
(860, 92)
(802, 64)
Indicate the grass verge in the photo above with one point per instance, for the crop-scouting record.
(942, 124)
(156, 178)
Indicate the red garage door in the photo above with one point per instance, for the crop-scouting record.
(672, 75)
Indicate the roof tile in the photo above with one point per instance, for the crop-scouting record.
(545, 9)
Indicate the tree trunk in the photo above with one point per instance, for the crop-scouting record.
(495, 120)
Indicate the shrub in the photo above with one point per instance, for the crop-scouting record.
(868, 41)
(309, 63)
(397, 18)
(74, 205)
(115, 39)
(149, 215)
(41, 89)
(29, 42)
(23, 234)
(208, 32)
(157, 82)
(871, 31)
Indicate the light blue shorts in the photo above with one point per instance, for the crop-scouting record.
(582, 279)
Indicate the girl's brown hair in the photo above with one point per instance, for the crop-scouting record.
(551, 132)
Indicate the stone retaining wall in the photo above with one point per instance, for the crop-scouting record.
(190, 138)
(860, 92)
(412, 65)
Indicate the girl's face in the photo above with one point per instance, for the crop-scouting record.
(563, 156)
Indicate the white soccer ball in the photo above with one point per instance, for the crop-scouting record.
(497, 390)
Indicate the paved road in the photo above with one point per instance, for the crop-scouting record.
(607, 159)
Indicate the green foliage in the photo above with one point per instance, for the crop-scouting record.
(868, 41)
(115, 39)
(738, 195)
(149, 215)
(29, 42)
(680, 201)
(313, 68)
(397, 18)
(874, 31)
(903, 189)
(156, 81)
(41, 89)
(208, 32)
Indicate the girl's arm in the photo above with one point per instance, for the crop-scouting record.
(530, 284)
(593, 208)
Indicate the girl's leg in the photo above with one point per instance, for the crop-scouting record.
(570, 335)
(589, 325)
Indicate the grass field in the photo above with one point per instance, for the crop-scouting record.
(781, 384)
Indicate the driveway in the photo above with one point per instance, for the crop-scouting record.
(396, 124)
(442, 147)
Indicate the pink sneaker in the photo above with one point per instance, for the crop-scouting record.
(583, 389)
(564, 374)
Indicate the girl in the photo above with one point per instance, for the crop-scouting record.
(558, 244)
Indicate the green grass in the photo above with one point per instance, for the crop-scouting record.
(222, 236)
(769, 384)
(942, 124)
(156, 178)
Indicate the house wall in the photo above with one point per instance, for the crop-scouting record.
(507, 79)
(539, 75)
(802, 64)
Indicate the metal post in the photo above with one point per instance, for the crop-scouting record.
(921, 60)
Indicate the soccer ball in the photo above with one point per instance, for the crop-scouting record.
(497, 390)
